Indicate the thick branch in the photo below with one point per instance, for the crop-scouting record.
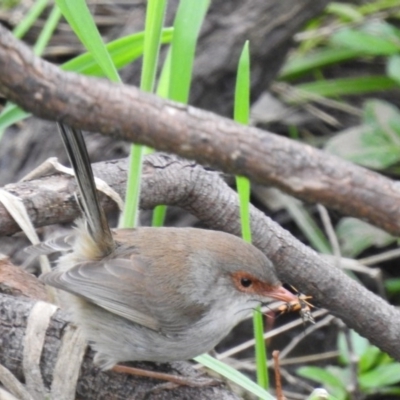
(125, 112)
(186, 184)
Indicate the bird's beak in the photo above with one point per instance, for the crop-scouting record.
(280, 293)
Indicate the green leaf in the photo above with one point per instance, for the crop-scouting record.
(369, 358)
(360, 345)
(331, 379)
(355, 236)
(375, 38)
(376, 6)
(393, 68)
(345, 11)
(347, 86)
(390, 390)
(301, 64)
(363, 145)
(392, 286)
(385, 117)
(379, 377)
(233, 375)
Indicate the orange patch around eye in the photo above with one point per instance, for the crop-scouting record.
(256, 286)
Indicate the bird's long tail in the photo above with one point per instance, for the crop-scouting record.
(94, 214)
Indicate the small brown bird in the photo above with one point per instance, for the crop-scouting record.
(155, 294)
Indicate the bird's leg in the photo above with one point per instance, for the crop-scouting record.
(179, 380)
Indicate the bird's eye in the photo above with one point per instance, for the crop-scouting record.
(245, 282)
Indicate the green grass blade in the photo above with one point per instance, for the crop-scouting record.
(123, 51)
(154, 21)
(303, 64)
(346, 12)
(10, 115)
(233, 375)
(81, 21)
(241, 114)
(242, 88)
(47, 31)
(243, 188)
(160, 212)
(377, 38)
(130, 214)
(188, 20)
(347, 86)
(30, 18)
(377, 6)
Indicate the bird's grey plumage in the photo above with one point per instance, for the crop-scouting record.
(154, 294)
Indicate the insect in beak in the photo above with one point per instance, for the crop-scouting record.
(302, 305)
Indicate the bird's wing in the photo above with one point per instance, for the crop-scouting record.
(58, 244)
(117, 285)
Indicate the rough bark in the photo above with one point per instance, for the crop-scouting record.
(126, 113)
(92, 383)
(185, 184)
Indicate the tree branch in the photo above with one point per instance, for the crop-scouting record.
(127, 113)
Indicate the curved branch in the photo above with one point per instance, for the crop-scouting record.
(182, 183)
(125, 112)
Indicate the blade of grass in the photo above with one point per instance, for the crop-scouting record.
(376, 6)
(47, 31)
(241, 115)
(30, 18)
(123, 51)
(10, 115)
(347, 86)
(303, 64)
(154, 21)
(81, 21)
(233, 375)
(178, 65)
(188, 20)
(160, 211)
